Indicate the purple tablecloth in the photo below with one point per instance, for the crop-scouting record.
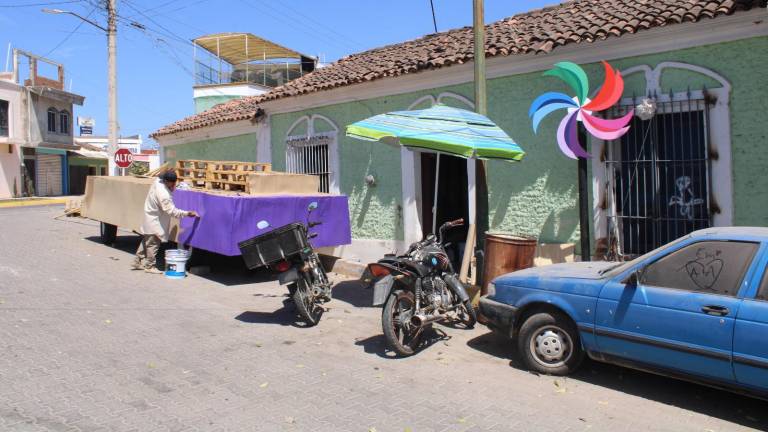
(226, 220)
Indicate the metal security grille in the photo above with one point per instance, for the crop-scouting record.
(310, 156)
(658, 177)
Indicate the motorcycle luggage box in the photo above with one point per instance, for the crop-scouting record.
(273, 246)
(381, 289)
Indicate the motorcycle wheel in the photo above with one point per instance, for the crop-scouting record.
(402, 337)
(309, 309)
(467, 314)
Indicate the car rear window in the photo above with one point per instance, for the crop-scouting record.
(715, 267)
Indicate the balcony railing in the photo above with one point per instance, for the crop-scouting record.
(265, 74)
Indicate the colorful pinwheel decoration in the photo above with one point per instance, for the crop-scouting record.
(580, 108)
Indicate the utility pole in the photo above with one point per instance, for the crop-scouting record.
(112, 66)
(111, 32)
(478, 25)
(476, 167)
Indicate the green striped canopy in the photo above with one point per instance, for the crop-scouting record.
(440, 128)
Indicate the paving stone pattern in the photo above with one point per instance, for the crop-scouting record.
(88, 345)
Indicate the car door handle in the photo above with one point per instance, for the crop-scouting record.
(715, 310)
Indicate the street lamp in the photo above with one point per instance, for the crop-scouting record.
(111, 31)
(59, 11)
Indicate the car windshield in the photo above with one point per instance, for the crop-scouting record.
(621, 266)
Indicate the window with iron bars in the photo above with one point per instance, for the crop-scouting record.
(4, 118)
(658, 177)
(310, 156)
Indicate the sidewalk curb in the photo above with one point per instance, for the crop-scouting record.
(348, 268)
(32, 202)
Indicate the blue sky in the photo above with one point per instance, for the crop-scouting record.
(154, 66)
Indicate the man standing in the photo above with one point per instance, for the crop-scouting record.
(158, 211)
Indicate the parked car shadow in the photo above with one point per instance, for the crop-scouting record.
(285, 316)
(354, 292)
(732, 407)
(378, 344)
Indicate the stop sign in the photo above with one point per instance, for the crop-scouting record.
(123, 158)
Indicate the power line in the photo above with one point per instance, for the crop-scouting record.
(290, 23)
(40, 4)
(169, 33)
(310, 19)
(66, 38)
(164, 13)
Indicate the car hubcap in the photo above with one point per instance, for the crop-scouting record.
(551, 346)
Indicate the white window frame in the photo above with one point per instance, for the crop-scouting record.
(332, 138)
(51, 128)
(64, 126)
(7, 118)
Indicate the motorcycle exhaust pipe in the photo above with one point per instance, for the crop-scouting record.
(420, 320)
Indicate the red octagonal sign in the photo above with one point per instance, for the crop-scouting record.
(123, 158)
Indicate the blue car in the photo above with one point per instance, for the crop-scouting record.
(696, 309)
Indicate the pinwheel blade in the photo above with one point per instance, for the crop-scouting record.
(613, 87)
(573, 75)
(539, 115)
(550, 98)
(562, 142)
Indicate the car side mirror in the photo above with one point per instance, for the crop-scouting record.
(633, 279)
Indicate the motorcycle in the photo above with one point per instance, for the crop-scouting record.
(417, 289)
(286, 251)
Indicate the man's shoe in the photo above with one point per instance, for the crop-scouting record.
(137, 266)
(153, 270)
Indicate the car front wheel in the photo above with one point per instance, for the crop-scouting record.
(549, 343)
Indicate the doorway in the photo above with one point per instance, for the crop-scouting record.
(29, 177)
(451, 199)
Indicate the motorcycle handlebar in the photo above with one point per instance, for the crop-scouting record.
(454, 223)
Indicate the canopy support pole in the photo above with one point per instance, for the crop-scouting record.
(218, 54)
(434, 202)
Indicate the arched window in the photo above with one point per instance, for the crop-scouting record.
(52, 113)
(64, 122)
(312, 148)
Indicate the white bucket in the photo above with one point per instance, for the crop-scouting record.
(176, 263)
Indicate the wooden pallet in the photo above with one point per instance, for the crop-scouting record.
(219, 175)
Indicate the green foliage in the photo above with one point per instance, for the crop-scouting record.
(139, 168)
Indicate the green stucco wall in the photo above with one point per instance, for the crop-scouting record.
(75, 161)
(376, 212)
(538, 196)
(235, 148)
(203, 103)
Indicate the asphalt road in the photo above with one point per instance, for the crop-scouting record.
(88, 345)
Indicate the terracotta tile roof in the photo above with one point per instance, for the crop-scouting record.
(537, 31)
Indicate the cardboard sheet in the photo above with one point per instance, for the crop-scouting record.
(273, 182)
(228, 219)
(116, 200)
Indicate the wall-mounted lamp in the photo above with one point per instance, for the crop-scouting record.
(646, 109)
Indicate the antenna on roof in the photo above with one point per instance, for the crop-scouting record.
(434, 20)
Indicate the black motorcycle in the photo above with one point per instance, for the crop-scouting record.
(417, 289)
(287, 251)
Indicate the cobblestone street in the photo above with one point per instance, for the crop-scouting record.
(89, 345)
